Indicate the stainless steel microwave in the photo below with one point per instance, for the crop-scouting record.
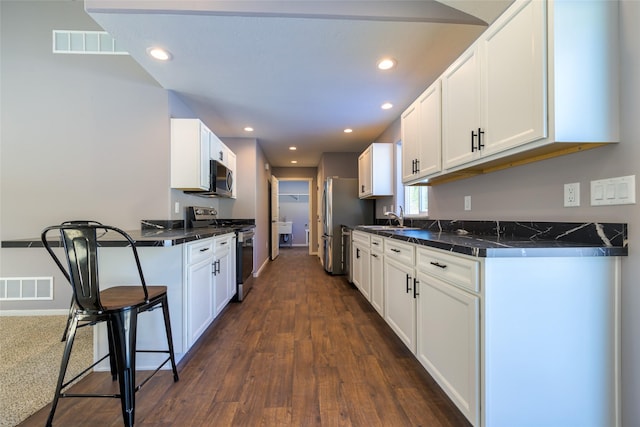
(220, 181)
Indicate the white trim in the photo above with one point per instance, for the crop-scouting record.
(47, 312)
(262, 267)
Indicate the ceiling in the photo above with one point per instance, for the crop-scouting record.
(301, 71)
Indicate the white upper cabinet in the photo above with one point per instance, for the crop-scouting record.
(494, 97)
(514, 95)
(375, 171)
(422, 136)
(219, 151)
(193, 146)
(189, 154)
(540, 82)
(461, 109)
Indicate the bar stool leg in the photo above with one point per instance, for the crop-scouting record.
(167, 327)
(124, 325)
(70, 335)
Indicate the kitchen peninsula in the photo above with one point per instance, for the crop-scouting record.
(198, 266)
(518, 322)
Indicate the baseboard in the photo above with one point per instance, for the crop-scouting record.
(262, 267)
(50, 312)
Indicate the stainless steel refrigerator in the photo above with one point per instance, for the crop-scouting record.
(341, 206)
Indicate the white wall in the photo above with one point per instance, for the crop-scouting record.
(82, 137)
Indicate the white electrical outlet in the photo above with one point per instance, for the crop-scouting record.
(467, 203)
(572, 195)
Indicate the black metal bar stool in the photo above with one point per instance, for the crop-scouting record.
(119, 306)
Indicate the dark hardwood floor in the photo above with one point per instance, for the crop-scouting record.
(303, 349)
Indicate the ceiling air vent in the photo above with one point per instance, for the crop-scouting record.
(85, 42)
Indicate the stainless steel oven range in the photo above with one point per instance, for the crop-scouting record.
(244, 262)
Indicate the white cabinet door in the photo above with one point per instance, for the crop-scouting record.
(430, 131)
(448, 339)
(461, 109)
(409, 128)
(189, 154)
(364, 173)
(377, 282)
(222, 270)
(361, 268)
(217, 150)
(399, 302)
(514, 91)
(200, 299)
(421, 127)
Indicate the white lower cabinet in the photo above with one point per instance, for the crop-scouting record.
(223, 277)
(448, 325)
(377, 277)
(513, 341)
(361, 259)
(199, 290)
(209, 282)
(399, 301)
(448, 337)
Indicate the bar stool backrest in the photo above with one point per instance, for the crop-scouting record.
(80, 242)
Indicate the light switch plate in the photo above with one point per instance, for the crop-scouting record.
(614, 191)
(467, 203)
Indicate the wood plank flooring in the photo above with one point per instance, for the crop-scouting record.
(303, 349)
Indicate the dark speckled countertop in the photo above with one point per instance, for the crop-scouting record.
(494, 239)
(148, 236)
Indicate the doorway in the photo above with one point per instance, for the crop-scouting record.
(294, 215)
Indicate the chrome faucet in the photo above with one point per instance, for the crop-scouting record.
(399, 218)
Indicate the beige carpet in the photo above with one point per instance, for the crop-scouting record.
(30, 354)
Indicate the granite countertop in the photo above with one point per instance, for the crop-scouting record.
(493, 239)
(145, 237)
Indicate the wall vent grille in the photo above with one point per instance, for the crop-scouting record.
(86, 42)
(26, 288)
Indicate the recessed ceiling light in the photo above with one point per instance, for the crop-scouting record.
(348, 130)
(159, 53)
(292, 148)
(386, 63)
(294, 161)
(386, 106)
(248, 129)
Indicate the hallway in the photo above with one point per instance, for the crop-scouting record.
(303, 349)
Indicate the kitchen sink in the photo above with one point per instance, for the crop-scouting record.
(388, 227)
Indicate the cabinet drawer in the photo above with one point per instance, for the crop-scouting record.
(199, 251)
(403, 252)
(361, 237)
(377, 243)
(456, 270)
(223, 242)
